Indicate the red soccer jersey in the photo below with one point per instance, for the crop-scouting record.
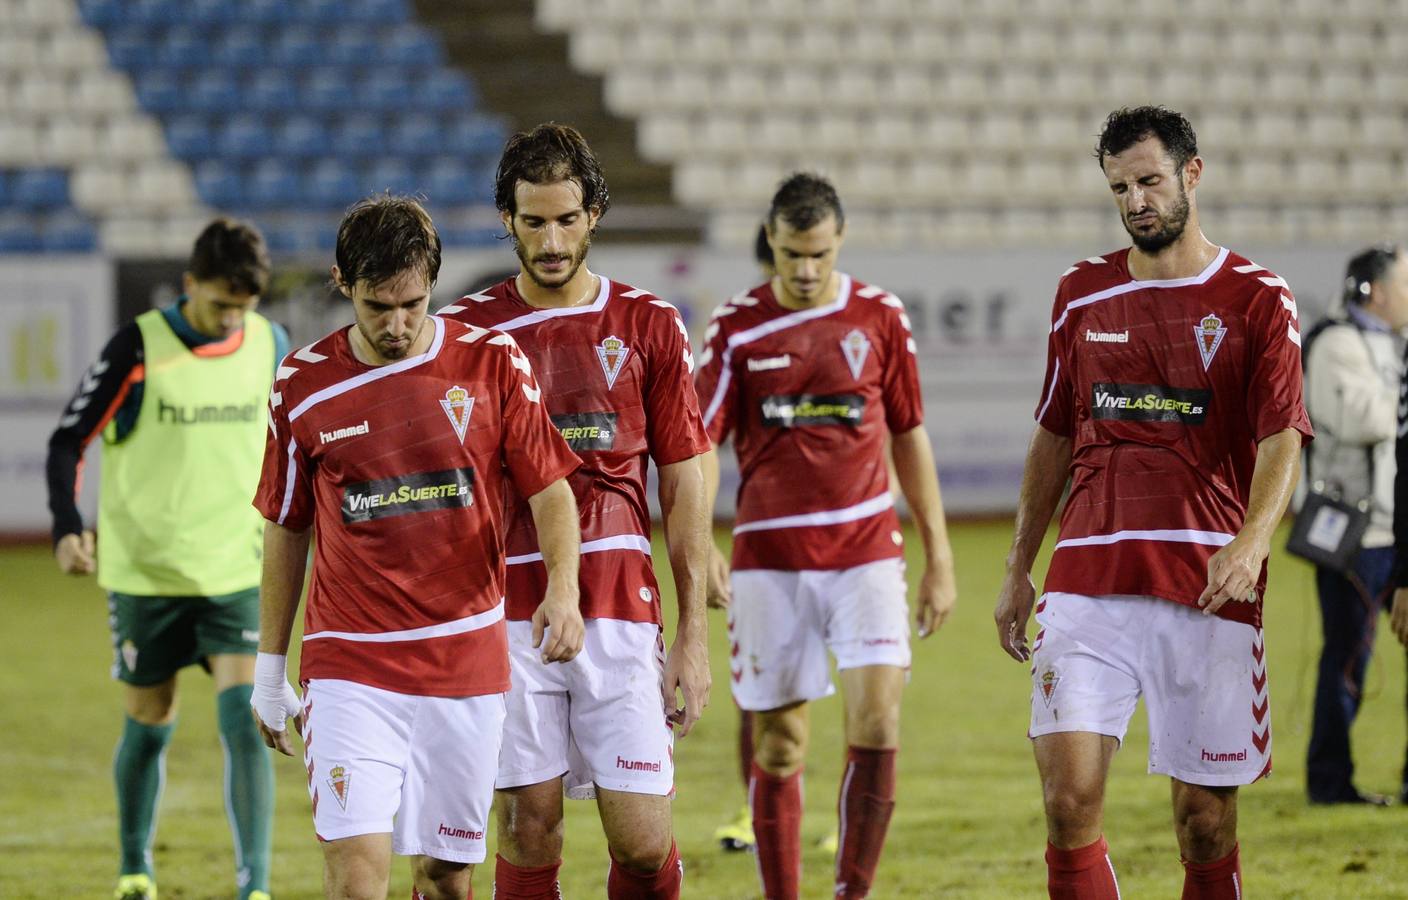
(810, 396)
(401, 469)
(1165, 388)
(616, 378)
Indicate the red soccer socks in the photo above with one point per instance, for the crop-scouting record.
(1084, 873)
(776, 802)
(524, 883)
(623, 884)
(745, 745)
(866, 801)
(1218, 880)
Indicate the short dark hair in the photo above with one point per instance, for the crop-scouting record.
(234, 250)
(1126, 127)
(762, 250)
(804, 199)
(1365, 268)
(384, 235)
(547, 153)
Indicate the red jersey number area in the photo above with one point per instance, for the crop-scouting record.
(403, 469)
(617, 379)
(1165, 388)
(809, 397)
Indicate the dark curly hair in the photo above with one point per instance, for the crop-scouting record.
(384, 235)
(804, 199)
(550, 152)
(1126, 127)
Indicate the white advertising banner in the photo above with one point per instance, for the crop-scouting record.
(55, 315)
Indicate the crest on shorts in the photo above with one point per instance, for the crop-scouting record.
(1047, 685)
(339, 779)
(856, 347)
(612, 353)
(457, 405)
(1210, 332)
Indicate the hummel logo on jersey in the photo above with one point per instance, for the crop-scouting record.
(327, 437)
(1107, 337)
(1209, 333)
(468, 834)
(638, 765)
(613, 353)
(1149, 403)
(423, 491)
(1239, 756)
(457, 405)
(768, 363)
(856, 347)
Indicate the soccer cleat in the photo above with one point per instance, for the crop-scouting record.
(737, 835)
(135, 887)
(830, 842)
(259, 895)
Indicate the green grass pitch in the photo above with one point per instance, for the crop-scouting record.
(968, 824)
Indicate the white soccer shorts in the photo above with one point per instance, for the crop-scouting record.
(1203, 680)
(598, 720)
(421, 768)
(782, 623)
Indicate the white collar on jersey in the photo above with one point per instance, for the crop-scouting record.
(542, 315)
(1201, 278)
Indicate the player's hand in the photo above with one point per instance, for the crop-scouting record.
(717, 592)
(1399, 617)
(75, 554)
(687, 672)
(1014, 608)
(937, 596)
(1232, 574)
(274, 702)
(558, 628)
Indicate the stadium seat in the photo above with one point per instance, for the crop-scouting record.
(162, 186)
(473, 135)
(214, 91)
(410, 45)
(66, 140)
(183, 46)
(219, 184)
(350, 45)
(211, 12)
(102, 13)
(18, 234)
(394, 175)
(268, 12)
(270, 90)
(416, 136)
(301, 137)
(190, 137)
(296, 46)
(386, 90)
(67, 231)
(19, 142)
(159, 91)
(152, 13)
(273, 184)
(376, 12)
(243, 136)
(449, 182)
(443, 90)
(239, 45)
(130, 46)
(39, 189)
(331, 183)
(359, 136)
(326, 89)
(101, 92)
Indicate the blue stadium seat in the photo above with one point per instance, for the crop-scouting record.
(159, 91)
(4, 189)
(385, 90)
(274, 184)
(416, 136)
(271, 12)
(211, 12)
(444, 90)
(130, 47)
(473, 135)
(243, 137)
(101, 13)
(321, 12)
(18, 234)
(351, 45)
(296, 46)
(448, 182)
(39, 189)
(152, 12)
(189, 137)
(331, 184)
(68, 231)
(393, 175)
(219, 184)
(328, 89)
(214, 90)
(359, 136)
(410, 45)
(377, 11)
(185, 46)
(301, 137)
(239, 45)
(271, 90)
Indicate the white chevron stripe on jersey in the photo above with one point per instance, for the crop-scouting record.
(542, 315)
(534, 395)
(1248, 269)
(474, 334)
(426, 632)
(1290, 304)
(874, 506)
(283, 372)
(307, 354)
(1273, 281)
(1167, 535)
(614, 542)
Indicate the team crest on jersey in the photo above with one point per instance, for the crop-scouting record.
(613, 353)
(340, 780)
(856, 347)
(1210, 333)
(1047, 685)
(457, 405)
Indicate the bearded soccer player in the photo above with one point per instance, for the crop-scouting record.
(396, 439)
(1173, 406)
(811, 372)
(176, 397)
(615, 367)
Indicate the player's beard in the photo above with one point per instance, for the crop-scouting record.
(390, 351)
(1171, 225)
(578, 257)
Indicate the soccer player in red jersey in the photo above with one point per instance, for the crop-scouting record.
(811, 372)
(616, 371)
(397, 439)
(1173, 407)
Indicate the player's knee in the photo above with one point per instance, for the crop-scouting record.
(644, 853)
(1205, 832)
(780, 753)
(877, 727)
(439, 879)
(534, 836)
(1071, 810)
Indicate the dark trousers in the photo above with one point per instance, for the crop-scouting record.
(1349, 615)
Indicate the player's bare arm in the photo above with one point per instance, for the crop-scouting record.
(717, 593)
(1399, 618)
(686, 518)
(914, 466)
(1043, 479)
(274, 700)
(1234, 570)
(557, 624)
(77, 554)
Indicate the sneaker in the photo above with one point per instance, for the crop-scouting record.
(737, 835)
(135, 887)
(830, 842)
(259, 895)
(1353, 797)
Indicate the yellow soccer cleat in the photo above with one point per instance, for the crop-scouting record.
(135, 887)
(259, 895)
(830, 842)
(737, 835)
